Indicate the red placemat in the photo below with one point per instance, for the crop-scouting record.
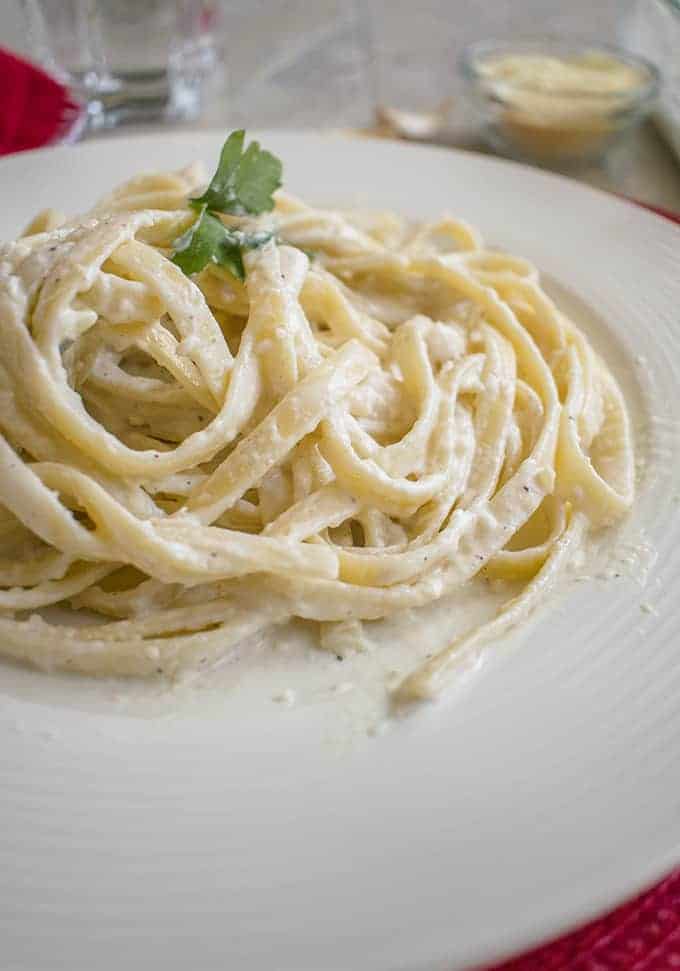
(641, 935)
(36, 110)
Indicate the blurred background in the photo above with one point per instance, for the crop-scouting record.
(387, 68)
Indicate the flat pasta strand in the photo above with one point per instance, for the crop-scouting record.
(381, 411)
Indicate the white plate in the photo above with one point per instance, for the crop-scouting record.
(230, 832)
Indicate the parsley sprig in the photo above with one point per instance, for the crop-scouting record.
(243, 184)
(210, 241)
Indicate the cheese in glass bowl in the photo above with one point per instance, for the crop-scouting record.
(553, 101)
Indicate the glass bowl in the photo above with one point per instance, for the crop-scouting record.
(556, 102)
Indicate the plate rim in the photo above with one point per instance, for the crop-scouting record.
(644, 876)
(348, 135)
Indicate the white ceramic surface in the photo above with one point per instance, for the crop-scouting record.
(232, 832)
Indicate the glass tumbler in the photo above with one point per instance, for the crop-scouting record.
(127, 60)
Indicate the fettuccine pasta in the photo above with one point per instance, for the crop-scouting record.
(378, 413)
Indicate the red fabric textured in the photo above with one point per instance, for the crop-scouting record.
(641, 935)
(36, 110)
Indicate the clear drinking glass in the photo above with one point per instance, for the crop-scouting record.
(127, 60)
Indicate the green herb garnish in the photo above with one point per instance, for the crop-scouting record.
(243, 184)
(244, 181)
(209, 241)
